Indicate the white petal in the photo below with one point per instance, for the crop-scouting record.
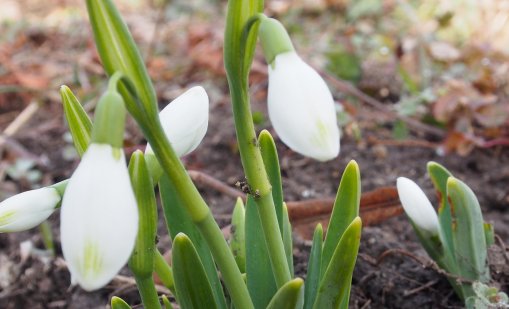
(28, 209)
(301, 108)
(416, 205)
(185, 120)
(99, 217)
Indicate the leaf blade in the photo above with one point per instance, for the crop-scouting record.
(191, 282)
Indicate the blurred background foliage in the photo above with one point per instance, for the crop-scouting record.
(443, 63)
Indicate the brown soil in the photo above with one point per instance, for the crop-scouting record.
(398, 281)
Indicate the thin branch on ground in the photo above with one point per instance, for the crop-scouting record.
(419, 289)
(350, 89)
(425, 262)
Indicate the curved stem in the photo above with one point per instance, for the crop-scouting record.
(199, 212)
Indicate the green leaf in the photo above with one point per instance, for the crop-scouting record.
(166, 302)
(191, 282)
(345, 65)
(271, 162)
(142, 259)
(334, 288)
(467, 232)
(408, 82)
(439, 176)
(164, 271)
(345, 209)
(260, 278)
(119, 303)
(314, 265)
(489, 232)
(77, 118)
(238, 238)
(400, 130)
(119, 52)
(179, 221)
(288, 239)
(289, 296)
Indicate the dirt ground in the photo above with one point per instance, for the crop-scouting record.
(392, 269)
(398, 281)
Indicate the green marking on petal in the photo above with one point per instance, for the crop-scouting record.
(7, 217)
(116, 153)
(322, 132)
(92, 260)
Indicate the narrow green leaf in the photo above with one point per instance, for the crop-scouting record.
(441, 249)
(489, 232)
(166, 302)
(271, 162)
(119, 52)
(78, 120)
(238, 238)
(164, 271)
(289, 296)
(119, 303)
(314, 264)
(345, 209)
(439, 176)
(191, 282)
(260, 278)
(179, 221)
(142, 259)
(288, 239)
(467, 232)
(334, 288)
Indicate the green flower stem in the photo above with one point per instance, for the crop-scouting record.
(199, 212)
(224, 259)
(257, 179)
(240, 41)
(148, 292)
(60, 187)
(164, 271)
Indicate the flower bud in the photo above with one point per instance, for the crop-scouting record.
(99, 217)
(301, 108)
(28, 209)
(185, 120)
(417, 206)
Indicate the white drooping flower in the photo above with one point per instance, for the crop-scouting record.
(185, 120)
(301, 108)
(417, 206)
(99, 217)
(28, 209)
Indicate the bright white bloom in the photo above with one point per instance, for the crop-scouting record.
(185, 120)
(417, 206)
(99, 217)
(28, 209)
(301, 108)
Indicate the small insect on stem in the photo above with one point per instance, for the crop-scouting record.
(243, 186)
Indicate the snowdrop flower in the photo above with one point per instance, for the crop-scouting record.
(99, 216)
(300, 104)
(28, 209)
(185, 121)
(417, 206)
